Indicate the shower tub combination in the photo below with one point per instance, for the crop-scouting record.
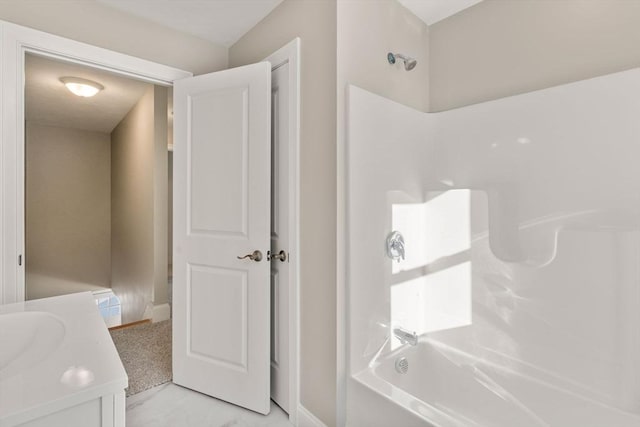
(512, 296)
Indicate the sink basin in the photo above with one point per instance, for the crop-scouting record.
(58, 365)
(27, 338)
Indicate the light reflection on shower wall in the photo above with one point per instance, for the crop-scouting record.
(444, 218)
(431, 287)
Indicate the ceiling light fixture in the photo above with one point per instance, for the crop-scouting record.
(81, 87)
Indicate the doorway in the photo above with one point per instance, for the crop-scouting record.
(19, 41)
(96, 189)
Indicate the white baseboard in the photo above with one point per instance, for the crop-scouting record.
(161, 312)
(307, 419)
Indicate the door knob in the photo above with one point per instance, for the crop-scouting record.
(254, 256)
(282, 256)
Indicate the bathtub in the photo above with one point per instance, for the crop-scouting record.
(444, 387)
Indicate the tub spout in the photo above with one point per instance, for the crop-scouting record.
(405, 336)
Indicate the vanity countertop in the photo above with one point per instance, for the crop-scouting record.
(54, 353)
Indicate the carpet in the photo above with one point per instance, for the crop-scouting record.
(145, 351)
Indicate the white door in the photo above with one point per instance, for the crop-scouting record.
(280, 189)
(221, 212)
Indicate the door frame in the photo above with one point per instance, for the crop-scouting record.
(15, 42)
(290, 54)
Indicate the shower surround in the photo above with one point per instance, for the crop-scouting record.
(521, 220)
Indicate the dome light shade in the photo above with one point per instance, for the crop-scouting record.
(81, 87)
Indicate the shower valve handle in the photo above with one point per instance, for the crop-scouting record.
(254, 256)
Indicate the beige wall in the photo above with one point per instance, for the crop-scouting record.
(499, 48)
(97, 24)
(160, 196)
(133, 230)
(367, 31)
(314, 21)
(68, 217)
(170, 213)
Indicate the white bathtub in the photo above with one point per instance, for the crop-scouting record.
(447, 388)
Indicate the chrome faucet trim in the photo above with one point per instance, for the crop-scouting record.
(395, 246)
(405, 336)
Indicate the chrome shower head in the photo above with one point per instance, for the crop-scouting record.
(409, 63)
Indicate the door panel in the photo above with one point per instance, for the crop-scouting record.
(224, 304)
(210, 161)
(222, 211)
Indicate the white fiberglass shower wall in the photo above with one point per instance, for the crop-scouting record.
(521, 275)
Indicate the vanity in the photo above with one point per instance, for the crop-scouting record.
(59, 366)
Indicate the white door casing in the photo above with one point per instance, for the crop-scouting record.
(280, 237)
(285, 234)
(222, 211)
(15, 41)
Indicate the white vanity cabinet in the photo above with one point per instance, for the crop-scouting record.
(58, 365)
(105, 411)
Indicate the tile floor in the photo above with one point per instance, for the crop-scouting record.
(170, 405)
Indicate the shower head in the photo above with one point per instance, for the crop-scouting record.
(409, 63)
